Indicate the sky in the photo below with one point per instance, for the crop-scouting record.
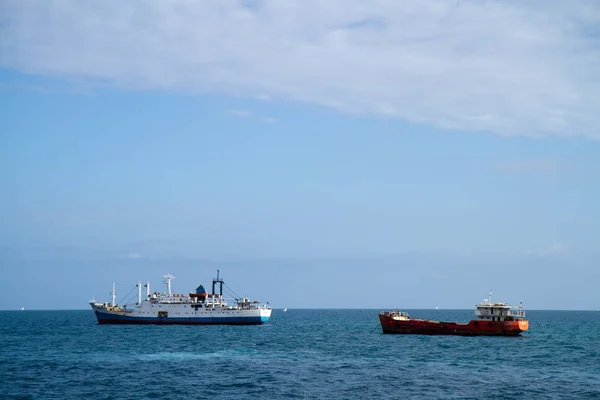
(330, 154)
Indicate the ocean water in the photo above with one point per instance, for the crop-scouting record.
(299, 354)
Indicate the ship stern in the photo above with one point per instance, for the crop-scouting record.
(265, 314)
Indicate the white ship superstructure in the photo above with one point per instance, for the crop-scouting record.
(195, 308)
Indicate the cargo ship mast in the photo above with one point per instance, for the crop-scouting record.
(220, 282)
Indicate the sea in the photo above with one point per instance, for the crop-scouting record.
(298, 354)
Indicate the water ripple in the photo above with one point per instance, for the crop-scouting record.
(301, 354)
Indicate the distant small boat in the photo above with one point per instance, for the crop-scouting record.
(285, 309)
(22, 308)
(437, 308)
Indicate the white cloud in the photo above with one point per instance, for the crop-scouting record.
(240, 113)
(134, 256)
(249, 114)
(527, 166)
(528, 67)
(554, 250)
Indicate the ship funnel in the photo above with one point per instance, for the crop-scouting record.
(201, 294)
(200, 290)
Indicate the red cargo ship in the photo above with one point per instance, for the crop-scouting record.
(493, 319)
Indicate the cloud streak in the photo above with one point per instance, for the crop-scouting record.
(240, 113)
(555, 250)
(514, 68)
(522, 166)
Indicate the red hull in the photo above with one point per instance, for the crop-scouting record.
(473, 328)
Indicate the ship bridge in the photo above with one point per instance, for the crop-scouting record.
(490, 311)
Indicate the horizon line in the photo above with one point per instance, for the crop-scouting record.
(334, 308)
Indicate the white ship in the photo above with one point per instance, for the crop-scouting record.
(195, 308)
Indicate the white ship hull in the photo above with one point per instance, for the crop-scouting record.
(182, 314)
(197, 308)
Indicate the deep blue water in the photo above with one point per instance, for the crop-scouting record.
(330, 354)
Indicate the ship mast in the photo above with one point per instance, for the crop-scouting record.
(220, 282)
(167, 280)
(114, 294)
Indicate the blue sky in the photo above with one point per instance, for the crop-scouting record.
(310, 158)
